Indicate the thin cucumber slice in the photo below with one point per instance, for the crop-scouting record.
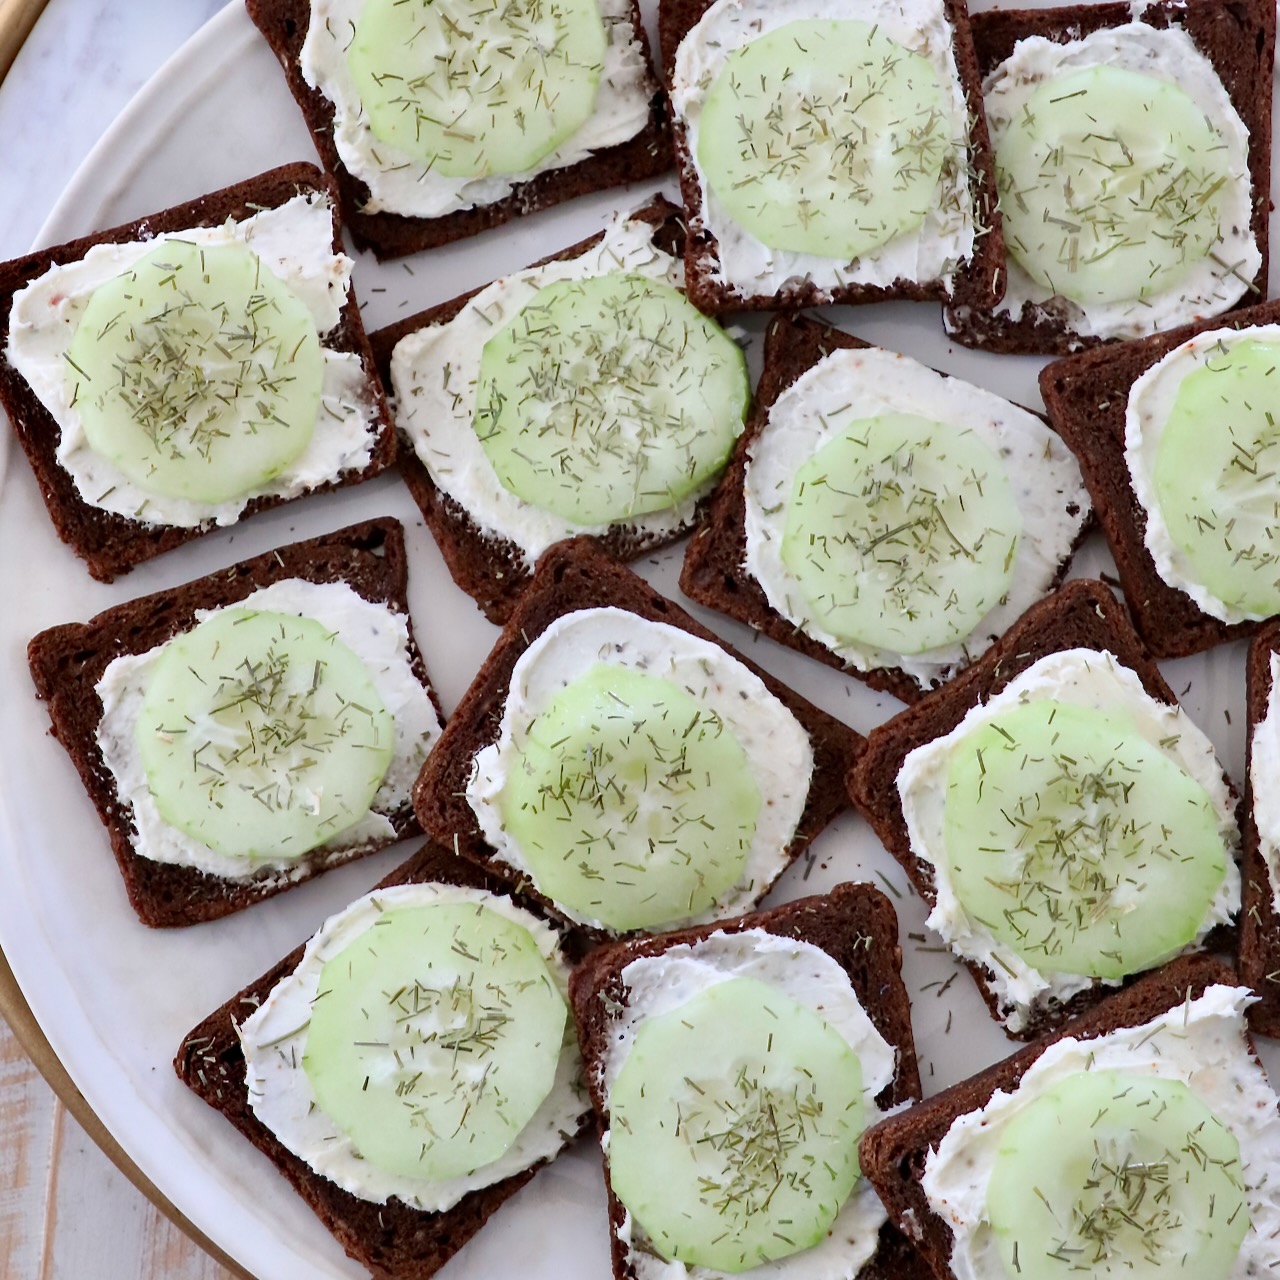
(609, 398)
(825, 137)
(469, 88)
(734, 1127)
(1117, 210)
(197, 372)
(434, 1038)
(632, 802)
(1115, 1174)
(1077, 843)
(901, 532)
(1217, 476)
(262, 734)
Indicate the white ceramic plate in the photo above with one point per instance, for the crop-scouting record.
(116, 998)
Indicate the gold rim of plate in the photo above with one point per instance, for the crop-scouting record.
(17, 17)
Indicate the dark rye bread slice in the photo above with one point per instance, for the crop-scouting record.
(714, 572)
(572, 576)
(490, 569)
(1086, 397)
(393, 1240)
(894, 1152)
(856, 926)
(976, 282)
(67, 662)
(113, 544)
(283, 23)
(1238, 38)
(1081, 614)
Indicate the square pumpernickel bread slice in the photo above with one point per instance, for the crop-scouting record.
(393, 1240)
(109, 543)
(975, 283)
(67, 661)
(1086, 397)
(715, 573)
(283, 24)
(856, 926)
(894, 1152)
(1238, 39)
(574, 576)
(489, 568)
(1081, 614)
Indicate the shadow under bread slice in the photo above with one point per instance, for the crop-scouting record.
(947, 512)
(622, 765)
(1188, 508)
(648, 999)
(1067, 823)
(389, 225)
(1179, 1133)
(191, 368)
(389, 1235)
(1186, 89)
(581, 396)
(788, 205)
(249, 730)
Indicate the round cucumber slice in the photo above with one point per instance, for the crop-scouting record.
(434, 1038)
(901, 532)
(1110, 1173)
(197, 372)
(262, 734)
(469, 88)
(1217, 476)
(1111, 212)
(1077, 843)
(825, 137)
(609, 398)
(734, 1127)
(631, 801)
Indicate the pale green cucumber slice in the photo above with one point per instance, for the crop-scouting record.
(1111, 183)
(1077, 843)
(609, 398)
(901, 533)
(262, 734)
(1111, 1173)
(197, 372)
(469, 88)
(734, 1126)
(1217, 476)
(434, 1038)
(825, 137)
(632, 802)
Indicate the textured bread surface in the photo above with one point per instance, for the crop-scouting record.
(976, 282)
(67, 662)
(283, 24)
(112, 544)
(894, 1151)
(1081, 614)
(856, 926)
(572, 576)
(1238, 38)
(391, 1239)
(714, 572)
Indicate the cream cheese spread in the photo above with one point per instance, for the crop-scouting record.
(280, 1093)
(374, 633)
(295, 242)
(745, 264)
(852, 384)
(1264, 770)
(399, 184)
(1201, 1043)
(778, 751)
(1078, 677)
(656, 985)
